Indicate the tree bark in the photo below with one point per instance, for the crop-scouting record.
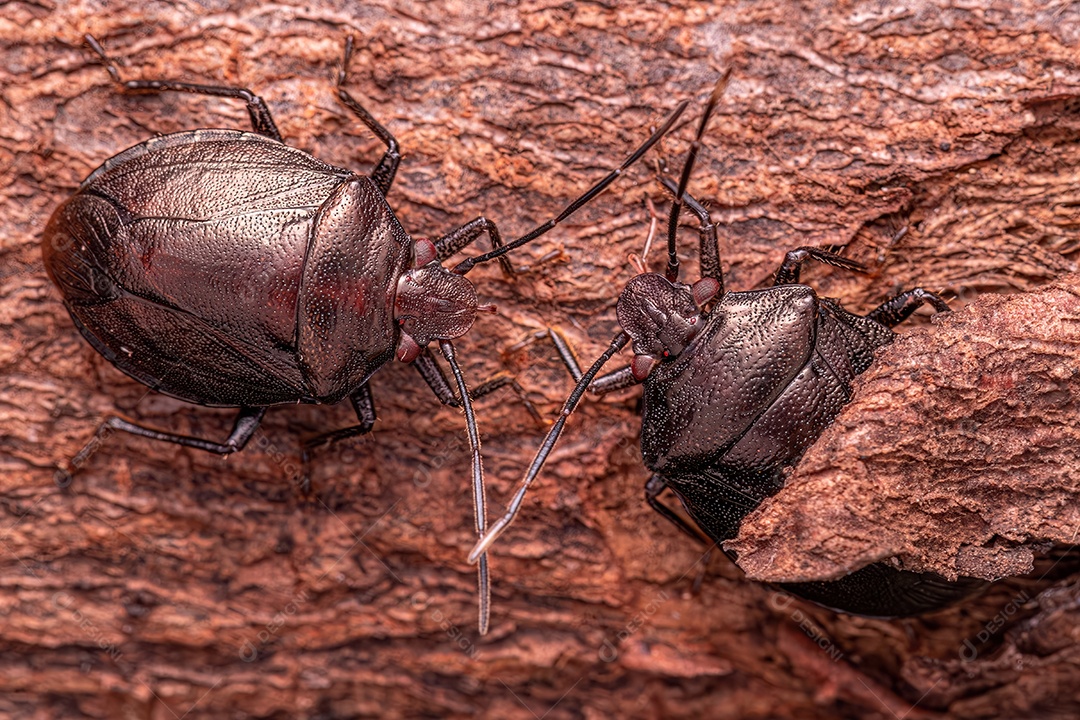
(934, 142)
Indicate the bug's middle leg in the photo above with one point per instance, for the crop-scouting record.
(896, 310)
(364, 407)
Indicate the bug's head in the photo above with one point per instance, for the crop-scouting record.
(661, 317)
(432, 303)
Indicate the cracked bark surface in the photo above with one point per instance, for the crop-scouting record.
(165, 581)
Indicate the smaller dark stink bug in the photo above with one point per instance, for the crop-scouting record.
(737, 385)
(228, 269)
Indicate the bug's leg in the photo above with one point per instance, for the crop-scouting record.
(455, 240)
(500, 380)
(788, 273)
(896, 310)
(656, 485)
(619, 379)
(709, 247)
(261, 121)
(384, 172)
(653, 489)
(558, 253)
(247, 421)
(364, 406)
(436, 379)
(562, 347)
(604, 384)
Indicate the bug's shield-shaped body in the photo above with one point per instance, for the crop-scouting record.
(762, 380)
(740, 405)
(276, 271)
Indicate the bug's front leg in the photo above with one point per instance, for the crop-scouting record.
(608, 382)
(436, 379)
(456, 240)
(788, 273)
(708, 245)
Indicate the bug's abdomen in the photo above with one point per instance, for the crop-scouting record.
(180, 261)
(881, 590)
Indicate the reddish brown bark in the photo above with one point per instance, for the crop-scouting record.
(165, 581)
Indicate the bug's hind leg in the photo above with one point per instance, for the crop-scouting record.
(788, 273)
(247, 421)
(364, 406)
(896, 310)
(261, 121)
(384, 172)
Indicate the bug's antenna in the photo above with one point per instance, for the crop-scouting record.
(480, 549)
(479, 501)
(672, 270)
(468, 263)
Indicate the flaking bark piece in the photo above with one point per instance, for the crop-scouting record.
(959, 454)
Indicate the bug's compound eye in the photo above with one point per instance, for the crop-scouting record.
(425, 252)
(641, 366)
